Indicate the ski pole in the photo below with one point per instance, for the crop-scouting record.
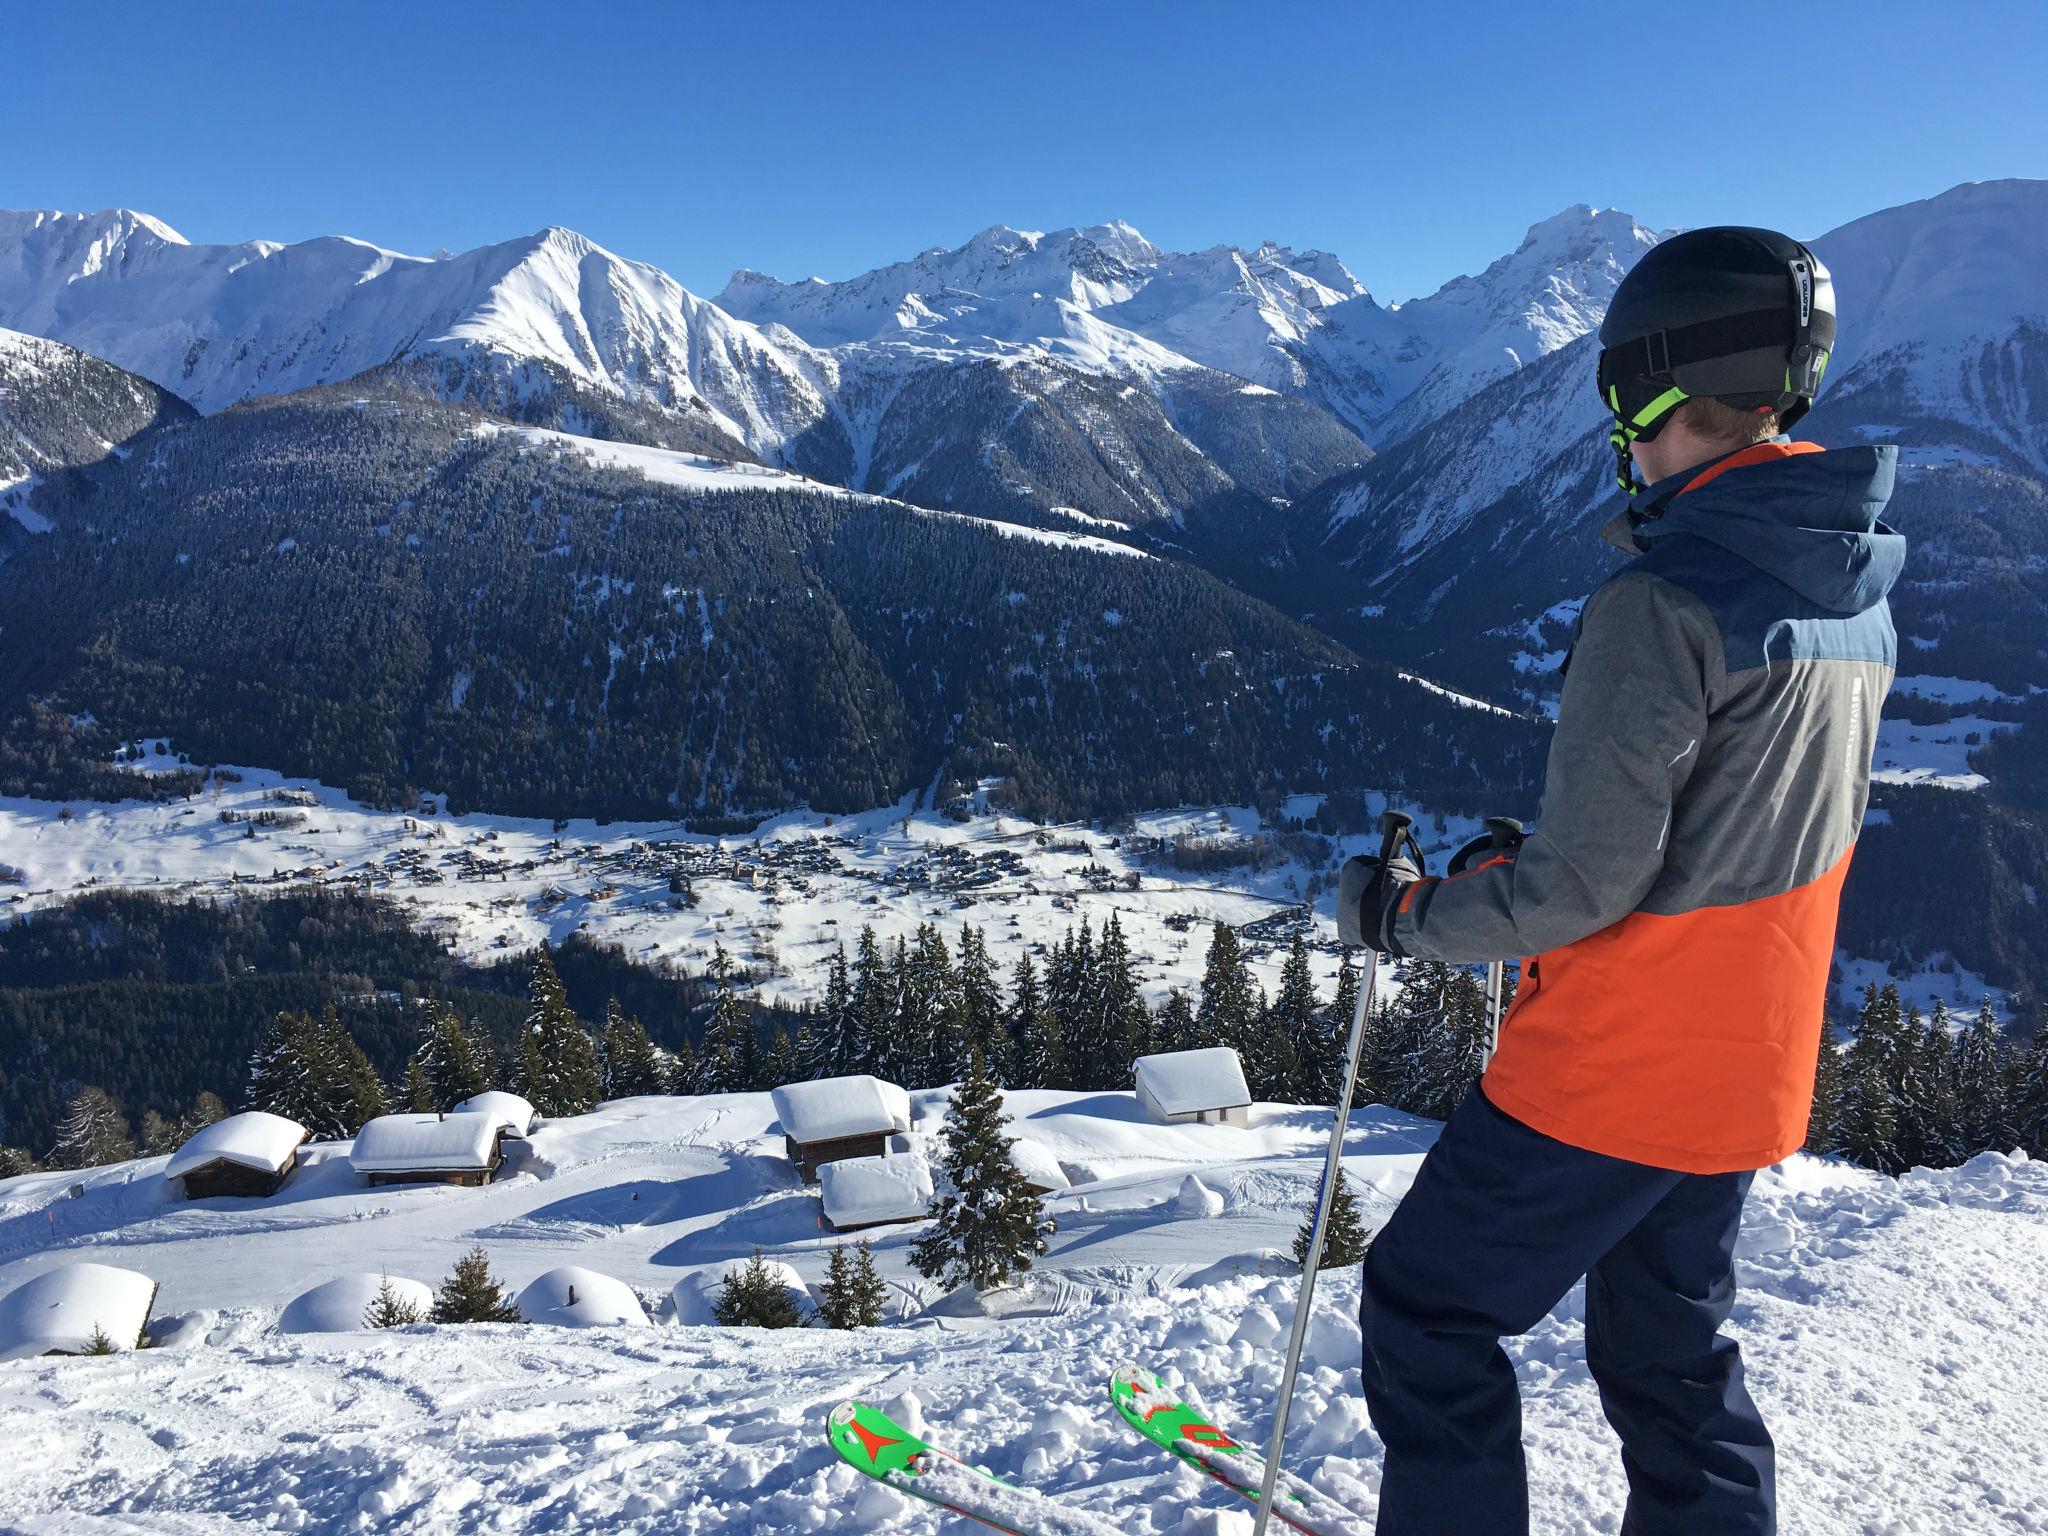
(1394, 829)
(1507, 833)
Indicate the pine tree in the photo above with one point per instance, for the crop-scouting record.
(872, 1048)
(1825, 1115)
(635, 1065)
(1869, 1132)
(416, 1095)
(281, 1071)
(453, 1066)
(1228, 1013)
(99, 1343)
(207, 1109)
(92, 1132)
(1173, 1026)
(927, 1044)
(557, 1071)
(756, 1297)
(1938, 1130)
(981, 1003)
(1110, 1019)
(388, 1309)
(778, 1061)
(808, 1051)
(685, 1069)
(993, 1224)
(2027, 1094)
(1039, 1058)
(840, 1047)
(1311, 1047)
(472, 1295)
(1983, 1117)
(15, 1161)
(159, 1136)
(1328, 1086)
(1276, 1076)
(1345, 1239)
(731, 1056)
(348, 1094)
(611, 1046)
(853, 1295)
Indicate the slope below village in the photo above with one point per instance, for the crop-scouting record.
(1892, 1328)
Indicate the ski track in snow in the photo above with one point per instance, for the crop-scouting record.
(1893, 1331)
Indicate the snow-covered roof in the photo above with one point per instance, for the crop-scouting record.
(859, 1190)
(338, 1305)
(60, 1309)
(841, 1106)
(692, 1298)
(600, 1301)
(422, 1143)
(1183, 1082)
(1036, 1162)
(252, 1139)
(511, 1111)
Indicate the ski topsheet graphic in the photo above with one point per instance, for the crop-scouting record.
(871, 1442)
(1155, 1412)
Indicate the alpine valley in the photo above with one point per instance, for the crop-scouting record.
(1050, 526)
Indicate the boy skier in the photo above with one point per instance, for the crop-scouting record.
(1678, 900)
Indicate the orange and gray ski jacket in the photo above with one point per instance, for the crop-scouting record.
(1705, 788)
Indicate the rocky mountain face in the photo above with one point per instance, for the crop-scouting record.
(61, 409)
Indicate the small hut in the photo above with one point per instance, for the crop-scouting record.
(429, 1149)
(75, 1310)
(839, 1117)
(250, 1155)
(511, 1111)
(1039, 1168)
(1204, 1087)
(875, 1191)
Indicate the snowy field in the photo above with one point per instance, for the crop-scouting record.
(779, 899)
(1895, 1335)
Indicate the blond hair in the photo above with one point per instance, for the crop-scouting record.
(1721, 423)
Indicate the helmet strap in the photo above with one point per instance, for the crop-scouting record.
(1641, 426)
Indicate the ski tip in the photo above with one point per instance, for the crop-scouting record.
(1131, 1376)
(869, 1440)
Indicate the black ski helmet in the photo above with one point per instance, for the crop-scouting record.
(1746, 316)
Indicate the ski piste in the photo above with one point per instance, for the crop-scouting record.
(1153, 1410)
(869, 1441)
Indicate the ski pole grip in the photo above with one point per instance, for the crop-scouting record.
(1507, 832)
(1394, 828)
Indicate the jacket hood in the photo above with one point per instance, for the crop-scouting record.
(1810, 520)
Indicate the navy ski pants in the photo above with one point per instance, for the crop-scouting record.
(1499, 1224)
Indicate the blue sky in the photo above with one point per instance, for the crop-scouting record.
(1416, 141)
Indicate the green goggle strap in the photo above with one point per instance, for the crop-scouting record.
(1628, 428)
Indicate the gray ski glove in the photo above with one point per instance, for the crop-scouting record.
(1369, 893)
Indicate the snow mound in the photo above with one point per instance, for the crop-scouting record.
(506, 1109)
(862, 1191)
(693, 1297)
(252, 1139)
(59, 1311)
(1197, 1199)
(574, 1297)
(339, 1305)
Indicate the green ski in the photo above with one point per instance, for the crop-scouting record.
(869, 1441)
(1157, 1413)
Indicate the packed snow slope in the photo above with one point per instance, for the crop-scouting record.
(1892, 1331)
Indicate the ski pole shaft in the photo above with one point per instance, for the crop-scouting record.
(1496, 989)
(1393, 828)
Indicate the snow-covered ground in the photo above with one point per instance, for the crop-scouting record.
(1893, 1329)
(779, 899)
